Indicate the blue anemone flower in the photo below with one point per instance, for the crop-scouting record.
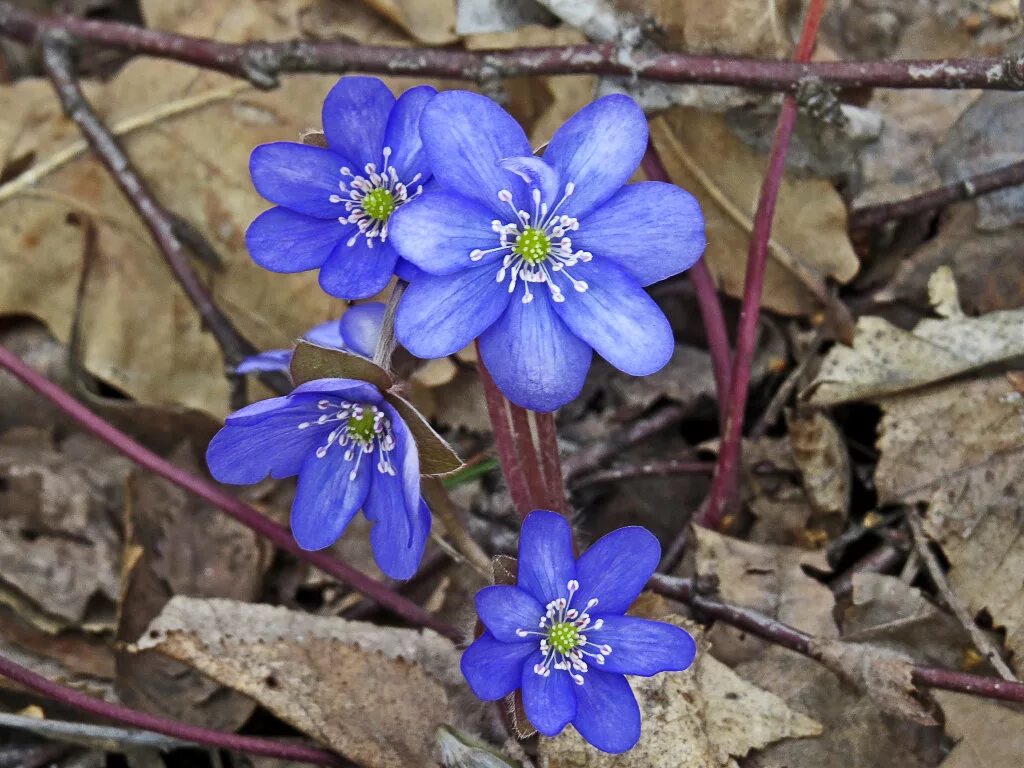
(351, 450)
(357, 331)
(543, 258)
(561, 637)
(334, 203)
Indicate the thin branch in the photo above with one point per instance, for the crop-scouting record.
(178, 730)
(593, 456)
(723, 494)
(551, 461)
(980, 639)
(657, 468)
(243, 513)
(885, 559)
(105, 737)
(261, 62)
(974, 186)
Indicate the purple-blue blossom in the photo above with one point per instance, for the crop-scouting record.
(334, 203)
(356, 331)
(543, 258)
(561, 637)
(350, 449)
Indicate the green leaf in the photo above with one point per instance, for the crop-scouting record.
(311, 362)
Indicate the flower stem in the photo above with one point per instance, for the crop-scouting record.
(386, 341)
(243, 513)
(528, 458)
(551, 462)
(179, 730)
(723, 495)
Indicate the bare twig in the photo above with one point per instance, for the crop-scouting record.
(593, 456)
(978, 637)
(723, 494)
(249, 517)
(884, 559)
(261, 63)
(656, 468)
(103, 737)
(173, 728)
(975, 186)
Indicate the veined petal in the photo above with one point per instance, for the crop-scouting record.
(399, 534)
(535, 360)
(360, 327)
(643, 647)
(546, 563)
(440, 314)
(651, 229)
(402, 134)
(355, 116)
(550, 701)
(466, 135)
(326, 334)
(607, 714)
(406, 458)
(299, 177)
(536, 174)
(494, 669)
(271, 360)
(285, 241)
(598, 149)
(616, 568)
(504, 609)
(358, 271)
(439, 230)
(617, 318)
(331, 490)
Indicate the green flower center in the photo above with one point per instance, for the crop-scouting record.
(361, 428)
(379, 204)
(563, 637)
(533, 245)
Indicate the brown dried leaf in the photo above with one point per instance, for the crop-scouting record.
(987, 733)
(429, 21)
(436, 456)
(809, 240)
(310, 362)
(820, 452)
(313, 673)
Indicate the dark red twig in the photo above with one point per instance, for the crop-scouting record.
(551, 461)
(685, 590)
(243, 513)
(262, 62)
(723, 493)
(975, 186)
(179, 730)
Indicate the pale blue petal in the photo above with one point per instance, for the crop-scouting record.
(616, 568)
(536, 174)
(326, 334)
(494, 669)
(353, 390)
(358, 271)
(505, 609)
(271, 360)
(403, 135)
(643, 647)
(550, 702)
(299, 177)
(360, 327)
(284, 241)
(355, 116)
(328, 496)
(607, 714)
(546, 563)
(399, 533)
(438, 231)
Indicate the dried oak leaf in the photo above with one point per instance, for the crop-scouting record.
(375, 694)
(809, 242)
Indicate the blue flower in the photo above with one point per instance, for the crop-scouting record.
(334, 204)
(357, 331)
(561, 637)
(351, 450)
(543, 259)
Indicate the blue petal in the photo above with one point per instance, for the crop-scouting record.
(616, 568)
(360, 327)
(264, 439)
(358, 271)
(328, 497)
(438, 231)
(353, 390)
(399, 534)
(355, 115)
(405, 458)
(643, 647)
(651, 229)
(546, 563)
(440, 314)
(535, 360)
(271, 360)
(607, 714)
(466, 135)
(299, 177)
(403, 135)
(598, 149)
(505, 609)
(494, 669)
(284, 241)
(550, 702)
(617, 318)
(406, 270)
(537, 174)
(325, 335)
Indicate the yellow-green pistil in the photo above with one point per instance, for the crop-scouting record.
(563, 637)
(379, 204)
(533, 245)
(361, 427)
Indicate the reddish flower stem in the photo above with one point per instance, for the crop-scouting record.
(243, 513)
(529, 462)
(707, 298)
(179, 730)
(724, 485)
(262, 62)
(551, 461)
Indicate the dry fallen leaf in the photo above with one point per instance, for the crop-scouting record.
(739, 27)
(313, 673)
(809, 240)
(987, 734)
(429, 21)
(820, 452)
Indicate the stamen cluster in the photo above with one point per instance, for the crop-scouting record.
(364, 430)
(370, 199)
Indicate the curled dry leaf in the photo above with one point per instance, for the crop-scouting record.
(312, 672)
(820, 452)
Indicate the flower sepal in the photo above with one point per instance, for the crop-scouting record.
(311, 362)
